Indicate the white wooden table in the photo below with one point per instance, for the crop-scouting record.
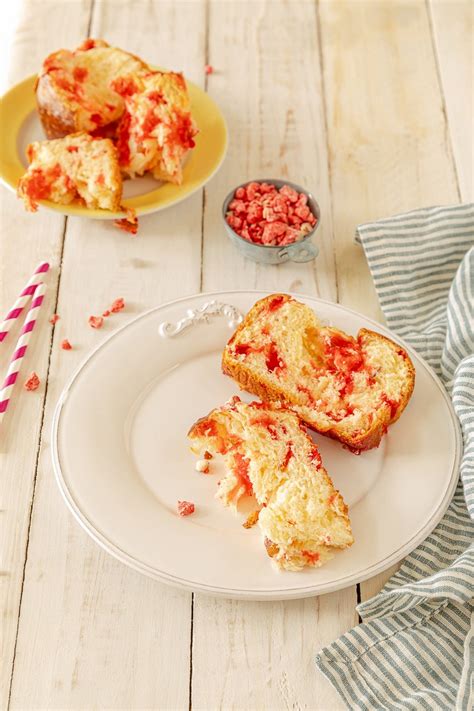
(369, 104)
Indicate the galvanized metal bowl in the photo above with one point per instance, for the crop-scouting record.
(301, 251)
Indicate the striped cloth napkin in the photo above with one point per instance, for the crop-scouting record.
(415, 647)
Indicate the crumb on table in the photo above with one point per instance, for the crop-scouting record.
(96, 321)
(32, 383)
(185, 508)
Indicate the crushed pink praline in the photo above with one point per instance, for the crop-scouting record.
(263, 214)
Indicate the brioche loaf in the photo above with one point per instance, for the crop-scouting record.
(348, 388)
(73, 91)
(113, 94)
(269, 455)
(75, 167)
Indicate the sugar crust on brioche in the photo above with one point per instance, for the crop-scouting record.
(73, 91)
(268, 454)
(347, 388)
(76, 167)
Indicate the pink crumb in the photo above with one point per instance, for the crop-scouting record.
(117, 305)
(54, 319)
(32, 383)
(185, 508)
(208, 69)
(129, 223)
(96, 321)
(106, 313)
(65, 345)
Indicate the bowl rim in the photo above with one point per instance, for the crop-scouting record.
(273, 181)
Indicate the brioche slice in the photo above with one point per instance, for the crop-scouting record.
(269, 455)
(157, 130)
(77, 167)
(73, 90)
(348, 388)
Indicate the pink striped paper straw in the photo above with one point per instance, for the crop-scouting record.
(20, 350)
(23, 299)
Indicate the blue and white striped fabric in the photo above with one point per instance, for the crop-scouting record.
(415, 647)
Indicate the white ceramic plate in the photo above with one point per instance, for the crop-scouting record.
(122, 461)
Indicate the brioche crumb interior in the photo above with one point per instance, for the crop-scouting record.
(157, 129)
(332, 380)
(76, 166)
(269, 455)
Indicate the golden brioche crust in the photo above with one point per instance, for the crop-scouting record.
(58, 114)
(356, 443)
(55, 115)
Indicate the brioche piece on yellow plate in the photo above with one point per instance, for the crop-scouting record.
(157, 129)
(269, 455)
(73, 91)
(348, 388)
(77, 167)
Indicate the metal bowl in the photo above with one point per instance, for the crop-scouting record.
(301, 251)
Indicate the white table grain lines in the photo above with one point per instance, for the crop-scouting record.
(364, 102)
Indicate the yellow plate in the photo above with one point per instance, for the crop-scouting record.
(18, 109)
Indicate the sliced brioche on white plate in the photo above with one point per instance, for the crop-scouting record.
(349, 388)
(269, 455)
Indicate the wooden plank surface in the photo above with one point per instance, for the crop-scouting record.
(249, 655)
(262, 655)
(273, 102)
(453, 35)
(106, 636)
(26, 240)
(389, 145)
(9, 22)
